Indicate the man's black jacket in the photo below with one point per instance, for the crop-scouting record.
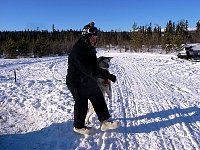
(82, 65)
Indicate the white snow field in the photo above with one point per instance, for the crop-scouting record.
(156, 99)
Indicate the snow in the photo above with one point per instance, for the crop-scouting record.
(155, 98)
(195, 47)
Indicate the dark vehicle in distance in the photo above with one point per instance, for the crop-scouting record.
(190, 52)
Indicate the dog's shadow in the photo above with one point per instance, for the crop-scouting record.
(158, 120)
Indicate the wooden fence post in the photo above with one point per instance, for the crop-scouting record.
(15, 74)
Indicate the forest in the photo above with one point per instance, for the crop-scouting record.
(147, 38)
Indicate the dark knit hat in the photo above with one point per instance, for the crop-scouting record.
(89, 30)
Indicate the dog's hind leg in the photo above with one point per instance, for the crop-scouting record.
(89, 114)
(109, 92)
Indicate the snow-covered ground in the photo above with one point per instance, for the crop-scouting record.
(156, 99)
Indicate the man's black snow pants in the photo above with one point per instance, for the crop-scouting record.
(81, 95)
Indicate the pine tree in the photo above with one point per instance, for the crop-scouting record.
(197, 34)
(167, 42)
(23, 47)
(137, 38)
(10, 49)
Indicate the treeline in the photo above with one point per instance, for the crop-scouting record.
(140, 39)
(36, 43)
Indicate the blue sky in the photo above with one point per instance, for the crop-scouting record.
(107, 14)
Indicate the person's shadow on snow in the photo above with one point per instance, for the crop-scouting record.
(56, 136)
(156, 120)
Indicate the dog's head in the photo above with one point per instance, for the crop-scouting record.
(104, 62)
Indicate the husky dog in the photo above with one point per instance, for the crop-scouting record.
(104, 84)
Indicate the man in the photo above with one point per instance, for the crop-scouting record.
(82, 82)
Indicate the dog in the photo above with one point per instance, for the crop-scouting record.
(104, 84)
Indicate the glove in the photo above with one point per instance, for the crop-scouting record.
(112, 77)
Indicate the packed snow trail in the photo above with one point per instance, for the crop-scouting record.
(155, 98)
